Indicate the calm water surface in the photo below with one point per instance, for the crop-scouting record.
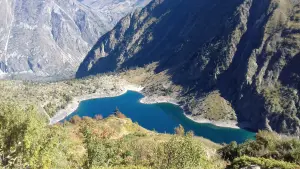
(163, 117)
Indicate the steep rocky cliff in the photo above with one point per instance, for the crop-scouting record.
(48, 37)
(246, 50)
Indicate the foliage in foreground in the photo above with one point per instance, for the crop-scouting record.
(27, 142)
(264, 163)
(178, 152)
(269, 149)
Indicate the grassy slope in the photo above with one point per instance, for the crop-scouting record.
(133, 135)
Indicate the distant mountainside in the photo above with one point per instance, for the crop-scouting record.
(49, 38)
(248, 50)
(113, 10)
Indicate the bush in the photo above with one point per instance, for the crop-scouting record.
(67, 98)
(102, 152)
(26, 140)
(229, 152)
(267, 145)
(98, 117)
(87, 119)
(181, 152)
(264, 163)
(119, 114)
(179, 130)
(75, 119)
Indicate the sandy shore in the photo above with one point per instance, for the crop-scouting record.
(158, 99)
(227, 124)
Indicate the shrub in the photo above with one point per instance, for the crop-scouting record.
(267, 145)
(98, 117)
(87, 119)
(26, 140)
(264, 163)
(181, 152)
(178, 152)
(179, 130)
(190, 134)
(119, 114)
(229, 152)
(75, 119)
(102, 152)
(67, 98)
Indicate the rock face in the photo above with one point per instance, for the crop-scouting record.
(113, 10)
(48, 38)
(252, 167)
(248, 50)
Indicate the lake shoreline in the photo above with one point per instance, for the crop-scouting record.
(154, 99)
(74, 104)
(228, 124)
(164, 99)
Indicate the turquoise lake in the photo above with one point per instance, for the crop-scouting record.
(163, 117)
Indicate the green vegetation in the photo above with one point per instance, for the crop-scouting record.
(179, 130)
(182, 152)
(178, 152)
(213, 107)
(27, 141)
(281, 102)
(55, 96)
(262, 162)
(278, 98)
(269, 150)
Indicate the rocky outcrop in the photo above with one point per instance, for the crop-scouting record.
(245, 49)
(254, 82)
(48, 38)
(252, 167)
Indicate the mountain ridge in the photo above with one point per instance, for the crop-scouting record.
(244, 51)
(48, 39)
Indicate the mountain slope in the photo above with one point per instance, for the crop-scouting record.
(42, 37)
(245, 49)
(47, 38)
(113, 10)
